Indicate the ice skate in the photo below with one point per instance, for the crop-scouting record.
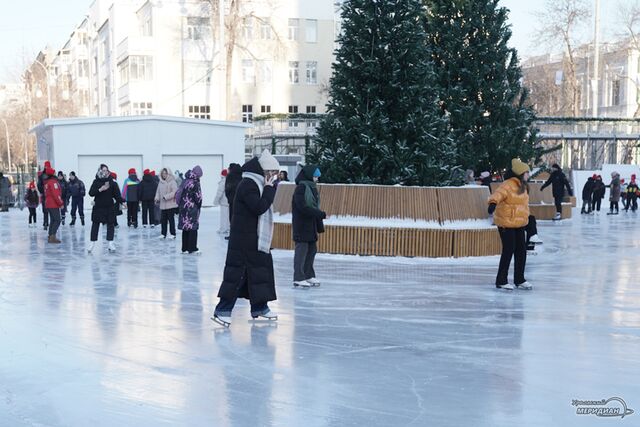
(73, 222)
(222, 320)
(268, 315)
(112, 247)
(302, 284)
(82, 221)
(162, 237)
(172, 237)
(506, 286)
(525, 286)
(91, 247)
(314, 282)
(535, 239)
(557, 217)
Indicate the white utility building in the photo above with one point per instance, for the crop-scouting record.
(141, 142)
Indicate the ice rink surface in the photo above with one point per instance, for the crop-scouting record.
(125, 339)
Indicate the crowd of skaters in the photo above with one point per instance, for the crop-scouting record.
(245, 195)
(593, 192)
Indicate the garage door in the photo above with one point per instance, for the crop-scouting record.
(88, 166)
(211, 166)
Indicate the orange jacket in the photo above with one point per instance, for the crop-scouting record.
(512, 210)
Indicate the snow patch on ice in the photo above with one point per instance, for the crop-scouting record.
(363, 221)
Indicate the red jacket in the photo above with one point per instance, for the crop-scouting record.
(52, 194)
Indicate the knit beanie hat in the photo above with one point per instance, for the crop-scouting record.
(146, 172)
(268, 162)
(224, 172)
(485, 174)
(132, 171)
(317, 173)
(519, 167)
(114, 175)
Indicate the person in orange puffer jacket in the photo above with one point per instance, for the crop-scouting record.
(53, 202)
(510, 202)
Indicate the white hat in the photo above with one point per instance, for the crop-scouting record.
(485, 174)
(268, 162)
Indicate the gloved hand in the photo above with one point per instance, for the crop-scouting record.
(324, 215)
(492, 208)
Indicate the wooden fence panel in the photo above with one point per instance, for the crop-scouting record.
(463, 203)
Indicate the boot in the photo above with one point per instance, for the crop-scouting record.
(73, 221)
(54, 240)
(82, 220)
(63, 218)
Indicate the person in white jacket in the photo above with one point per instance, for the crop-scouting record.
(221, 200)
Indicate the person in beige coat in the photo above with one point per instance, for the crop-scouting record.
(166, 197)
(221, 200)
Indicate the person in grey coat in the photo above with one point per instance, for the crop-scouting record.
(614, 193)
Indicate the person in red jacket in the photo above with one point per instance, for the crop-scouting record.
(53, 202)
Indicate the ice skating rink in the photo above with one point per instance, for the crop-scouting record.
(125, 339)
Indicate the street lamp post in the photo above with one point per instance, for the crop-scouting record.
(46, 71)
(6, 132)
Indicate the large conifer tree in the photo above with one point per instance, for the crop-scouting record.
(480, 84)
(383, 124)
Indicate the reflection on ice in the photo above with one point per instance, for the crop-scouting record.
(125, 339)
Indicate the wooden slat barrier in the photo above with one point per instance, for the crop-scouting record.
(462, 203)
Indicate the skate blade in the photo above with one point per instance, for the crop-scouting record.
(221, 322)
(261, 319)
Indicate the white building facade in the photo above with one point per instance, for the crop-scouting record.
(187, 58)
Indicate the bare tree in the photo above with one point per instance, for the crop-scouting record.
(559, 25)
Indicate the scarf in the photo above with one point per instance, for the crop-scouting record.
(265, 221)
(310, 199)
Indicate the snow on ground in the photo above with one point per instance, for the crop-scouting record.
(125, 339)
(363, 221)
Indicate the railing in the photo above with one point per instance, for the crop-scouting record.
(587, 128)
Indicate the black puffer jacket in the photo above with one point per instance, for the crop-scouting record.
(558, 182)
(248, 273)
(306, 220)
(587, 190)
(147, 188)
(104, 208)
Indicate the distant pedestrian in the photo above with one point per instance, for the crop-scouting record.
(5, 193)
(65, 196)
(118, 207)
(587, 194)
(485, 179)
(156, 205)
(77, 192)
(106, 196)
(221, 201)
(307, 222)
(166, 199)
(189, 204)
(510, 206)
(599, 190)
(131, 195)
(248, 271)
(632, 195)
(32, 200)
(40, 187)
(614, 194)
(558, 182)
(147, 190)
(54, 202)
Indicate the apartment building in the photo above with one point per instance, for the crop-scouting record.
(618, 85)
(187, 58)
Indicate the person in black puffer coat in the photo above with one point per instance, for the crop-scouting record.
(558, 181)
(306, 224)
(147, 191)
(64, 186)
(587, 193)
(233, 179)
(77, 192)
(248, 271)
(106, 196)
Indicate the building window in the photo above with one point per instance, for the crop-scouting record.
(312, 73)
(141, 67)
(615, 92)
(248, 72)
(311, 32)
(145, 23)
(294, 72)
(266, 71)
(293, 109)
(82, 39)
(265, 109)
(123, 71)
(106, 84)
(265, 28)
(83, 68)
(294, 29)
(198, 28)
(142, 109)
(200, 111)
(311, 109)
(247, 28)
(247, 113)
